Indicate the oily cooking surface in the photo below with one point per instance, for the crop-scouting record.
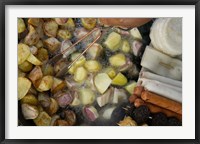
(96, 89)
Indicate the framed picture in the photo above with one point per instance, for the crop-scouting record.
(84, 71)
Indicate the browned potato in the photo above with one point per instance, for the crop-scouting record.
(43, 119)
(58, 84)
(42, 55)
(29, 99)
(39, 29)
(24, 85)
(52, 44)
(62, 123)
(47, 69)
(53, 108)
(50, 28)
(34, 21)
(29, 111)
(64, 34)
(23, 53)
(32, 37)
(61, 21)
(44, 100)
(59, 65)
(35, 74)
(33, 50)
(21, 74)
(26, 66)
(32, 90)
(45, 84)
(21, 27)
(54, 120)
(32, 59)
(69, 25)
(39, 44)
(88, 23)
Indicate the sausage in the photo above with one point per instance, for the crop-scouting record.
(162, 102)
(124, 22)
(156, 109)
(138, 91)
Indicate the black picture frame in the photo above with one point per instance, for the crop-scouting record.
(3, 4)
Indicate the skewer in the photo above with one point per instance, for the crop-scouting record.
(65, 69)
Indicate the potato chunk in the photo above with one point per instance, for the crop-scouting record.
(24, 85)
(20, 25)
(43, 119)
(117, 60)
(32, 59)
(102, 81)
(23, 52)
(46, 83)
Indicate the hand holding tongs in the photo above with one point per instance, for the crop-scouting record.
(57, 57)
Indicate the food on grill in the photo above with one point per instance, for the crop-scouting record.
(78, 72)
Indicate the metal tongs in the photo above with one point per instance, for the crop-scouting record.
(57, 57)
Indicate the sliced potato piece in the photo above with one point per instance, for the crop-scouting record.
(43, 54)
(95, 51)
(23, 52)
(61, 21)
(88, 23)
(53, 108)
(20, 25)
(72, 69)
(70, 25)
(111, 72)
(32, 59)
(24, 85)
(113, 41)
(125, 46)
(102, 81)
(117, 60)
(76, 101)
(34, 21)
(50, 28)
(32, 37)
(56, 82)
(29, 99)
(45, 84)
(130, 87)
(119, 80)
(52, 44)
(21, 74)
(64, 34)
(80, 61)
(135, 33)
(43, 119)
(39, 44)
(35, 74)
(26, 66)
(92, 66)
(29, 111)
(86, 96)
(47, 69)
(80, 74)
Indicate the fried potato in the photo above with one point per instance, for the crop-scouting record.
(26, 66)
(32, 59)
(24, 85)
(23, 52)
(45, 83)
(43, 119)
(29, 99)
(35, 74)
